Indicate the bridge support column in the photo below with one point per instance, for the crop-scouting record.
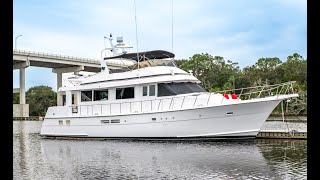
(59, 84)
(21, 109)
(22, 86)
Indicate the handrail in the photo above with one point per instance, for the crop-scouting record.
(290, 82)
(260, 93)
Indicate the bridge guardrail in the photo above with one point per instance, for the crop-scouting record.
(59, 56)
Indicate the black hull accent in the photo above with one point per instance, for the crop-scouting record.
(201, 138)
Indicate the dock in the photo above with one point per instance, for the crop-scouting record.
(280, 134)
(30, 118)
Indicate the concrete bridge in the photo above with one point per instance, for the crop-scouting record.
(59, 63)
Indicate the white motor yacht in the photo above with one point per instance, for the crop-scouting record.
(151, 98)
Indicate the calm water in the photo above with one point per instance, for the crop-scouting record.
(38, 158)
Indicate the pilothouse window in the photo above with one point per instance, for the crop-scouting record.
(178, 88)
(125, 93)
(101, 95)
(86, 96)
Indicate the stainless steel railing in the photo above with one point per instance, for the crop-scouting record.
(187, 101)
(262, 91)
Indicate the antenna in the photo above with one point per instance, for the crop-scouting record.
(104, 42)
(172, 60)
(135, 20)
(172, 26)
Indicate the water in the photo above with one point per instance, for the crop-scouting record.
(38, 158)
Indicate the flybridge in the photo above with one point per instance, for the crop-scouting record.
(133, 60)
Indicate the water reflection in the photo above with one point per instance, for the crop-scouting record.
(288, 158)
(37, 158)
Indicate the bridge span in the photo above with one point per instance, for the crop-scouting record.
(60, 64)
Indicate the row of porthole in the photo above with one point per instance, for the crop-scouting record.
(67, 122)
(154, 119)
(111, 121)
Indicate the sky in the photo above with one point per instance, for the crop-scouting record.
(240, 31)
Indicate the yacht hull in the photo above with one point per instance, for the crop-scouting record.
(239, 120)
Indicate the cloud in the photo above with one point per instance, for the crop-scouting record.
(241, 31)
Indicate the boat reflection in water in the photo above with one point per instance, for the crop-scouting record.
(74, 159)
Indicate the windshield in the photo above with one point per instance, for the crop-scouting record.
(153, 63)
(178, 88)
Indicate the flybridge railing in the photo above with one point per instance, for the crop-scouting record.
(182, 102)
(261, 91)
(59, 56)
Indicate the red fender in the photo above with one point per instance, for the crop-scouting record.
(234, 96)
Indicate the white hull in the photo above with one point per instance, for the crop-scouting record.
(224, 121)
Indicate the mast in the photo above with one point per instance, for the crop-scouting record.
(135, 20)
(172, 26)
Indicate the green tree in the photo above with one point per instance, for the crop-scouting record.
(213, 72)
(16, 98)
(216, 74)
(263, 71)
(295, 69)
(39, 99)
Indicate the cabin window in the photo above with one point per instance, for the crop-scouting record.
(100, 95)
(178, 88)
(86, 96)
(125, 93)
(64, 99)
(152, 90)
(73, 99)
(145, 91)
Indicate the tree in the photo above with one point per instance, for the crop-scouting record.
(16, 98)
(264, 71)
(295, 69)
(39, 99)
(213, 72)
(216, 74)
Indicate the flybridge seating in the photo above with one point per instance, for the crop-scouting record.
(183, 101)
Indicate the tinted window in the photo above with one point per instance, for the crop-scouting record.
(152, 89)
(178, 88)
(86, 95)
(125, 93)
(100, 95)
(145, 91)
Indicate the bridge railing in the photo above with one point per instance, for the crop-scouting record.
(59, 56)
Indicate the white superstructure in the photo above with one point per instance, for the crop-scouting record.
(154, 99)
